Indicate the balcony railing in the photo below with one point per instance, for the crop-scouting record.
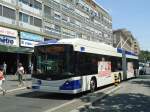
(54, 4)
(12, 2)
(51, 32)
(30, 27)
(30, 9)
(7, 20)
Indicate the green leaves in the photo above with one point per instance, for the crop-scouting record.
(144, 56)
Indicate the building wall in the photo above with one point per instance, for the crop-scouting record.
(39, 20)
(122, 38)
(58, 18)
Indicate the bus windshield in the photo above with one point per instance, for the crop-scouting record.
(53, 61)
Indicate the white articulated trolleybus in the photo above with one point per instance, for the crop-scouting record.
(77, 65)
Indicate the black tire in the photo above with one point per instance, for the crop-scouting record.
(93, 85)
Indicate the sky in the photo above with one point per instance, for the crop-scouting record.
(134, 15)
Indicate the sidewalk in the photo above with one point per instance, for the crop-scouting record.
(11, 83)
(133, 96)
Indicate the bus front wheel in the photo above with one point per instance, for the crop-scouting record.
(93, 85)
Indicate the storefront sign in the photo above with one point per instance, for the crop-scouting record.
(8, 32)
(31, 37)
(5, 40)
(28, 43)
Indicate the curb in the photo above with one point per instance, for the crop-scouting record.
(16, 89)
(99, 98)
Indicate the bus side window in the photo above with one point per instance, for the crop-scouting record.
(119, 66)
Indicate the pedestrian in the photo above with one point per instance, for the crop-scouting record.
(30, 68)
(4, 69)
(20, 73)
(2, 78)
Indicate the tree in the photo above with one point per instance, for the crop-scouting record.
(144, 56)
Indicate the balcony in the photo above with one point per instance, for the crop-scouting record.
(54, 4)
(52, 32)
(7, 20)
(30, 9)
(12, 2)
(67, 9)
(68, 36)
(29, 27)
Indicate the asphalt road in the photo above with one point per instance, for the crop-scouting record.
(133, 96)
(28, 101)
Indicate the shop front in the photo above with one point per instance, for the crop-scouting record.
(28, 41)
(9, 49)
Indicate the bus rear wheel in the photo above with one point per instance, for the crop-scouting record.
(93, 85)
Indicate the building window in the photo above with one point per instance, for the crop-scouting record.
(72, 21)
(37, 22)
(0, 10)
(79, 35)
(37, 5)
(56, 16)
(57, 28)
(77, 23)
(47, 11)
(9, 13)
(32, 3)
(24, 17)
(20, 16)
(64, 17)
(24, 1)
(31, 20)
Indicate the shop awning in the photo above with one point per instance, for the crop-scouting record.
(13, 49)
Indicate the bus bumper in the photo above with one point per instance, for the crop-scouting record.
(54, 89)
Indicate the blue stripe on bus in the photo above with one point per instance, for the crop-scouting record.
(71, 85)
(119, 50)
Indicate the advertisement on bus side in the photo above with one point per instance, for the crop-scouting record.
(104, 69)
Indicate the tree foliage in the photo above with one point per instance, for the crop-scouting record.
(144, 56)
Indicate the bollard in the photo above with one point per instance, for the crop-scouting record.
(116, 81)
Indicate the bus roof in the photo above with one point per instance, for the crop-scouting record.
(83, 45)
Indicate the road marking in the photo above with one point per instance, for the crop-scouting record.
(86, 104)
(12, 90)
(63, 105)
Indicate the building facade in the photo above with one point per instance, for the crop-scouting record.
(33, 21)
(122, 38)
